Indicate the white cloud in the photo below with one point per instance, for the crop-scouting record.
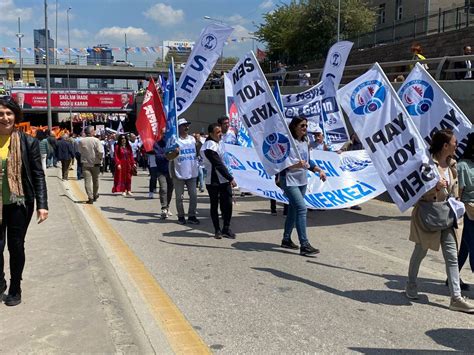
(266, 5)
(117, 34)
(10, 12)
(164, 14)
(237, 20)
(240, 31)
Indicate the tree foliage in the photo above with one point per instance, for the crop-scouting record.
(304, 30)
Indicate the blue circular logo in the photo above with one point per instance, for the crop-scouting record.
(336, 59)
(209, 42)
(417, 97)
(276, 148)
(368, 97)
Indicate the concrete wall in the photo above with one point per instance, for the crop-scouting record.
(209, 105)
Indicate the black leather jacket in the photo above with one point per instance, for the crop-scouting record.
(32, 174)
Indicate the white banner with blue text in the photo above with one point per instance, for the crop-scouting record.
(319, 105)
(261, 116)
(336, 61)
(431, 108)
(351, 178)
(389, 135)
(204, 56)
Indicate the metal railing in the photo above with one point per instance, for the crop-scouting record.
(440, 22)
(442, 68)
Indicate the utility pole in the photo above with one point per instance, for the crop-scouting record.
(48, 76)
(126, 57)
(20, 36)
(56, 37)
(69, 60)
(338, 20)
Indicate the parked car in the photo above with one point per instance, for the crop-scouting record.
(7, 60)
(122, 63)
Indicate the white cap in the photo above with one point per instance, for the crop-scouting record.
(317, 129)
(182, 121)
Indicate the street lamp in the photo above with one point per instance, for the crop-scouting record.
(69, 63)
(20, 36)
(338, 20)
(222, 53)
(48, 76)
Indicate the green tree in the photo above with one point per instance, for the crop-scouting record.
(304, 30)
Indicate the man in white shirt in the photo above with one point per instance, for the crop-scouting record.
(465, 64)
(92, 153)
(184, 170)
(228, 134)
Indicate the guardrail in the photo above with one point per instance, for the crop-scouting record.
(442, 68)
(417, 26)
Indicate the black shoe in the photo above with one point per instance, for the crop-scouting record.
(227, 233)
(308, 250)
(193, 220)
(288, 244)
(464, 286)
(3, 287)
(181, 220)
(218, 235)
(96, 197)
(13, 300)
(356, 208)
(90, 201)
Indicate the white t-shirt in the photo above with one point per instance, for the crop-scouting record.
(186, 164)
(229, 137)
(298, 177)
(135, 146)
(219, 149)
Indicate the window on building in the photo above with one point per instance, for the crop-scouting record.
(381, 14)
(399, 10)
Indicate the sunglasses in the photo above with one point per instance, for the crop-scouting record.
(303, 126)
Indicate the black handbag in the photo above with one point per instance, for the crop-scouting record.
(436, 216)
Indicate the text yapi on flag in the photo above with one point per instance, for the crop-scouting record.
(259, 112)
(431, 109)
(151, 119)
(389, 135)
(204, 56)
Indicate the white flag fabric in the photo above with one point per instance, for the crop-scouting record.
(389, 135)
(336, 61)
(319, 105)
(352, 178)
(261, 116)
(204, 56)
(432, 109)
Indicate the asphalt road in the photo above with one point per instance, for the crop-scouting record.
(250, 296)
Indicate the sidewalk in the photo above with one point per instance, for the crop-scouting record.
(72, 299)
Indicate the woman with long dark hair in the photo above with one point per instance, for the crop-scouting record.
(22, 183)
(466, 189)
(443, 146)
(124, 166)
(293, 181)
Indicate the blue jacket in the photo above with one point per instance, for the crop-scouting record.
(162, 163)
(64, 150)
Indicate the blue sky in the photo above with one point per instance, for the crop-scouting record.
(146, 22)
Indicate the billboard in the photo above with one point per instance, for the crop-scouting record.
(78, 100)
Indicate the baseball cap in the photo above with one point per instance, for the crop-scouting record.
(182, 121)
(317, 129)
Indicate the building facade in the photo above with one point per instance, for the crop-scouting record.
(100, 55)
(39, 41)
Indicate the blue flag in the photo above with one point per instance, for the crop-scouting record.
(169, 99)
(277, 94)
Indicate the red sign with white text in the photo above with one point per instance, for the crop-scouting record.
(37, 99)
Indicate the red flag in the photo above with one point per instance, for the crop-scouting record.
(151, 119)
(261, 55)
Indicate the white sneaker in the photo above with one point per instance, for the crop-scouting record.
(129, 193)
(164, 214)
(169, 213)
(461, 304)
(124, 194)
(150, 195)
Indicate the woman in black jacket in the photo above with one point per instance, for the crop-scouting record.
(22, 182)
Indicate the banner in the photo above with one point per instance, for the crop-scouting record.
(169, 98)
(319, 105)
(261, 115)
(243, 138)
(36, 99)
(336, 61)
(352, 178)
(204, 56)
(431, 109)
(151, 118)
(390, 137)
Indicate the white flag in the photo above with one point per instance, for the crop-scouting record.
(204, 56)
(336, 61)
(261, 115)
(432, 109)
(389, 135)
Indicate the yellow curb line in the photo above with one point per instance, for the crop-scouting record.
(180, 334)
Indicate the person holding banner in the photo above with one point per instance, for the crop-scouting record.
(293, 181)
(219, 182)
(466, 188)
(442, 149)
